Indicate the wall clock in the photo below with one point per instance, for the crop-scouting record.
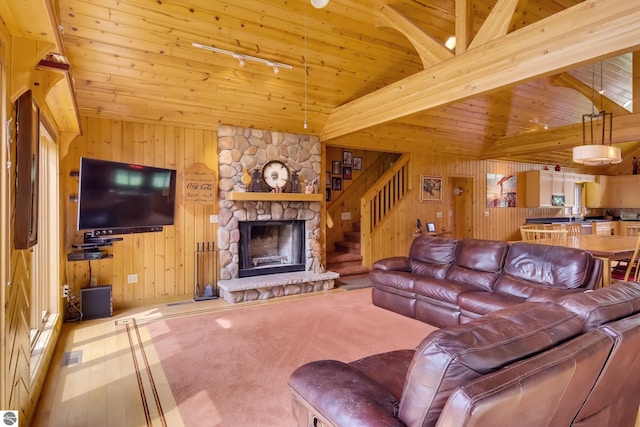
(275, 174)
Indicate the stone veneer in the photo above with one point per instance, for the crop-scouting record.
(245, 148)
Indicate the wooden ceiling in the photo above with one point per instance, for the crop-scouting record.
(134, 60)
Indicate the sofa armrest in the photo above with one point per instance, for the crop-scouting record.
(396, 263)
(343, 395)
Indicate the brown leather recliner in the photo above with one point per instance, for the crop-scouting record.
(533, 364)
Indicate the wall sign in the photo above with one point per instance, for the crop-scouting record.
(199, 184)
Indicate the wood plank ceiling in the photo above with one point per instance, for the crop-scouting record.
(134, 60)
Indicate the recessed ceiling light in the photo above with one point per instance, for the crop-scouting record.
(319, 4)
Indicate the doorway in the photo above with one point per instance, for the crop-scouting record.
(461, 206)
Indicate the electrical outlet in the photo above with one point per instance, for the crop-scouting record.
(132, 278)
(438, 214)
(65, 290)
(213, 219)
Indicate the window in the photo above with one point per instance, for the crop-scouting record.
(46, 254)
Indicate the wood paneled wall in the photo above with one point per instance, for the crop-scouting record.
(393, 237)
(164, 261)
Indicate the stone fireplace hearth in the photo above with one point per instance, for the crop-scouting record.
(249, 149)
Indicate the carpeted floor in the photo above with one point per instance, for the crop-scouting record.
(230, 368)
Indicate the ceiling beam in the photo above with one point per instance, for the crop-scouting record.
(429, 49)
(625, 129)
(588, 31)
(497, 23)
(606, 104)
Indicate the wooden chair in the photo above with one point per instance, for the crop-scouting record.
(572, 229)
(529, 234)
(628, 267)
(632, 272)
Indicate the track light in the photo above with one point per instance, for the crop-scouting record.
(242, 58)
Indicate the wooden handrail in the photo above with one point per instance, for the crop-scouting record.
(380, 199)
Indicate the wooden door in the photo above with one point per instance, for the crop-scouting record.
(461, 207)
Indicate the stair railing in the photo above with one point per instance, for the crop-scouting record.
(349, 199)
(379, 201)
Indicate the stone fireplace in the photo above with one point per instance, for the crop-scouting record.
(243, 149)
(269, 247)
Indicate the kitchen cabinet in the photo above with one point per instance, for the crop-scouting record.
(604, 227)
(614, 192)
(541, 185)
(623, 225)
(596, 192)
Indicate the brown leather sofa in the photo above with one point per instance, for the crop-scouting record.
(446, 281)
(571, 361)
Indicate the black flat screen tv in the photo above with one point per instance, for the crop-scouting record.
(120, 196)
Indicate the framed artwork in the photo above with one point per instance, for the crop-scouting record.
(327, 194)
(501, 191)
(336, 167)
(336, 184)
(346, 172)
(27, 171)
(357, 163)
(430, 188)
(327, 179)
(347, 158)
(431, 227)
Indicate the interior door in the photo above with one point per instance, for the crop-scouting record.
(461, 207)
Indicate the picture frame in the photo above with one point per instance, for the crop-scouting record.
(347, 172)
(336, 183)
(327, 179)
(431, 227)
(357, 163)
(327, 194)
(336, 167)
(27, 171)
(430, 188)
(347, 158)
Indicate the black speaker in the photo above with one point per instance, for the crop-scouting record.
(96, 302)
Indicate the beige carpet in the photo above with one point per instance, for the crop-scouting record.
(230, 368)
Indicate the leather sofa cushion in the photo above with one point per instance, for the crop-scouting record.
(395, 279)
(398, 263)
(448, 358)
(478, 262)
(605, 304)
(442, 289)
(387, 369)
(552, 266)
(480, 303)
(431, 256)
(544, 390)
(322, 383)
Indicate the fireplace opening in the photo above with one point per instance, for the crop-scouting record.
(269, 247)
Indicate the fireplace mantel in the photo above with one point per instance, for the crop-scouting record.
(271, 197)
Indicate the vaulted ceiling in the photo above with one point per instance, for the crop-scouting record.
(376, 75)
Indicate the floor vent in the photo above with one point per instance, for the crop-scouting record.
(71, 358)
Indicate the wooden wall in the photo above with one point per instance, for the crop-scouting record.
(393, 237)
(164, 261)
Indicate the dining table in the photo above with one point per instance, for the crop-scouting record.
(607, 247)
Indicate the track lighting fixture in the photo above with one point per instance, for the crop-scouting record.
(242, 58)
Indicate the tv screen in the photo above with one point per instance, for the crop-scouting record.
(115, 195)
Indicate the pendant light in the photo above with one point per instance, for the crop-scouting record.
(597, 135)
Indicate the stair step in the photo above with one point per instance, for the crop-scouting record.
(352, 236)
(350, 270)
(346, 245)
(336, 265)
(336, 257)
(355, 226)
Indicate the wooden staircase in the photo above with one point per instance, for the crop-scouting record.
(346, 260)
